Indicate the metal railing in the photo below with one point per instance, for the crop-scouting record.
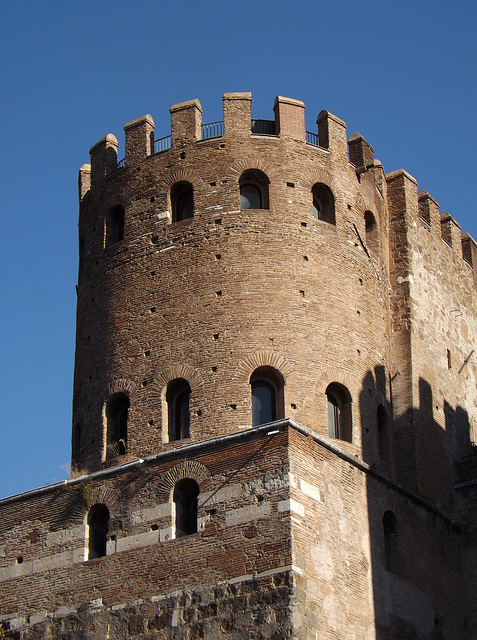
(162, 144)
(216, 130)
(312, 138)
(263, 127)
(213, 130)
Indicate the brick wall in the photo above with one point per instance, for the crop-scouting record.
(213, 297)
(149, 579)
(289, 544)
(300, 534)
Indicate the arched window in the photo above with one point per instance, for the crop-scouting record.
(384, 436)
(117, 424)
(339, 412)
(250, 197)
(323, 203)
(114, 225)
(392, 555)
(254, 190)
(177, 398)
(182, 201)
(185, 497)
(371, 231)
(267, 395)
(98, 521)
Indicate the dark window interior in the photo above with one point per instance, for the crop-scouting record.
(98, 521)
(185, 499)
(177, 397)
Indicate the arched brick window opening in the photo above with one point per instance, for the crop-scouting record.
(98, 522)
(339, 412)
(182, 201)
(372, 240)
(115, 225)
(384, 434)
(267, 395)
(323, 203)
(392, 555)
(178, 414)
(185, 499)
(117, 424)
(254, 186)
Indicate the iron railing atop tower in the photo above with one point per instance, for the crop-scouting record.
(216, 130)
(213, 130)
(312, 138)
(263, 127)
(162, 144)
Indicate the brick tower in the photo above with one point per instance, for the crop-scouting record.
(179, 281)
(274, 398)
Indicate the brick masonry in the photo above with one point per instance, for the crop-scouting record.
(290, 538)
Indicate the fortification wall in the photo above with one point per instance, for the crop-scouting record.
(433, 303)
(445, 366)
(232, 577)
(350, 585)
(289, 545)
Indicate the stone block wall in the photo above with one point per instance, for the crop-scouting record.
(345, 587)
(290, 544)
(233, 577)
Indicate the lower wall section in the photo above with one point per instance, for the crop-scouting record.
(288, 542)
(239, 609)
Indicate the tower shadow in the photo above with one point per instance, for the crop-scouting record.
(418, 524)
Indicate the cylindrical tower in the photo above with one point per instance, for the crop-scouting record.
(230, 274)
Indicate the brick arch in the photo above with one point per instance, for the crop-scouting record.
(252, 162)
(360, 204)
(120, 200)
(91, 495)
(333, 375)
(246, 367)
(187, 469)
(323, 380)
(310, 178)
(122, 385)
(181, 175)
(162, 377)
(378, 398)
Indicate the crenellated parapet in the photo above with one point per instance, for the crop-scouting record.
(104, 158)
(361, 153)
(139, 138)
(289, 117)
(237, 109)
(186, 123)
(186, 128)
(419, 208)
(289, 123)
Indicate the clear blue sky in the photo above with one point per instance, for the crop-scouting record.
(401, 73)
